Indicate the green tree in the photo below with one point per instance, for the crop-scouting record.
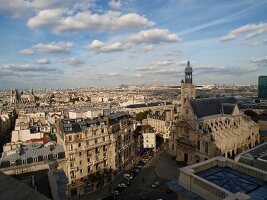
(142, 115)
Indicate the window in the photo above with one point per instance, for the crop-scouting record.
(80, 153)
(95, 141)
(45, 157)
(72, 174)
(12, 163)
(55, 156)
(35, 159)
(71, 164)
(206, 147)
(81, 162)
(71, 146)
(70, 138)
(102, 130)
(24, 161)
(198, 145)
(79, 144)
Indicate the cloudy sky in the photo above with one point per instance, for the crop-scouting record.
(56, 43)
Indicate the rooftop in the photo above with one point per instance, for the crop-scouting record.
(221, 178)
(213, 106)
(11, 188)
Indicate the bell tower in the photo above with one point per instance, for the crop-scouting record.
(188, 91)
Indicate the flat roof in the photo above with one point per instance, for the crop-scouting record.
(11, 188)
(235, 181)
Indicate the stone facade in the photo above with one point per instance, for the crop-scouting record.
(161, 121)
(96, 150)
(206, 128)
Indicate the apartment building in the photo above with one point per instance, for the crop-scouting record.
(149, 137)
(96, 150)
(161, 121)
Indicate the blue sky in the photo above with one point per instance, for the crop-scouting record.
(55, 43)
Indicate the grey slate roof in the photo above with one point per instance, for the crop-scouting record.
(141, 105)
(213, 106)
(34, 150)
(228, 108)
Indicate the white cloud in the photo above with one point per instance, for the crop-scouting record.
(250, 30)
(166, 62)
(45, 18)
(52, 47)
(114, 4)
(148, 48)
(26, 52)
(259, 60)
(58, 21)
(74, 61)
(20, 8)
(153, 36)
(42, 61)
(29, 68)
(101, 47)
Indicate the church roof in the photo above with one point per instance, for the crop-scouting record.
(228, 108)
(213, 106)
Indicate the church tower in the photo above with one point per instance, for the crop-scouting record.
(188, 91)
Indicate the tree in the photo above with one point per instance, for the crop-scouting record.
(142, 115)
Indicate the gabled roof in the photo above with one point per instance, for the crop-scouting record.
(228, 108)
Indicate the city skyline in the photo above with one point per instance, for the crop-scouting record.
(105, 43)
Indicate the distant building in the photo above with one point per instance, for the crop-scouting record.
(262, 87)
(149, 137)
(220, 179)
(14, 96)
(209, 127)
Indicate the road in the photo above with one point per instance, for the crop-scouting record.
(141, 188)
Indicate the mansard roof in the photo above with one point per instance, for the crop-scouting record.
(213, 106)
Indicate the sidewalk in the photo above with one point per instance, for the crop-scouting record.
(103, 192)
(167, 168)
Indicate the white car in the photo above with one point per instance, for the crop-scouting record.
(122, 185)
(128, 176)
(155, 184)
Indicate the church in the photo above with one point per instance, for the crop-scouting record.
(209, 127)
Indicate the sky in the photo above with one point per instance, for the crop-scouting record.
(93, 43)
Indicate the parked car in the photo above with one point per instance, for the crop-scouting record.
(127, 182)
(120, 189)
(116, 192)
(122, 185)
(136, 170)
(139, 167)
(145, 160)
(128, 176)
(155, 184)
(141, 163)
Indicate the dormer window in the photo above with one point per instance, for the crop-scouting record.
(35, 159)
